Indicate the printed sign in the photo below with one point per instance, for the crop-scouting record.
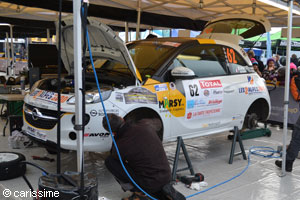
(161, 87)
(48, 96)
(35, 133)
(140, 95)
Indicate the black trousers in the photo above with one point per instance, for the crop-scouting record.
(294, 146)
(115, 167)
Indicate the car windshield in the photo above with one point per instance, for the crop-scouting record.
(148, 56)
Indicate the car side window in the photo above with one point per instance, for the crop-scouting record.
(236, 63)
(204, 60)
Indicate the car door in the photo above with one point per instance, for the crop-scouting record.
(207, 105)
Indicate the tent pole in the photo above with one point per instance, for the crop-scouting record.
(287, 84)
(7, 53)
(11, 71)
(78, 82)
(137, 37)
(126, 32)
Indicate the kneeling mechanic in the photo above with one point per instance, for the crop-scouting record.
(144, 157)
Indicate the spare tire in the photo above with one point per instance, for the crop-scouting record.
(11, 166)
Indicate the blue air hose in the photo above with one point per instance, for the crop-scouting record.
(257, 152)
(104, 110)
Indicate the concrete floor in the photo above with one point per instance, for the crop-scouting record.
(260, 181)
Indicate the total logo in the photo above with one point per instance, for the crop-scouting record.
(210, 84)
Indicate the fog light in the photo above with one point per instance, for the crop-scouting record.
(72, 135)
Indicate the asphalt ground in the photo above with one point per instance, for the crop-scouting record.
(209, 155)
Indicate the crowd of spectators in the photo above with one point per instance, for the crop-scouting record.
(274, 68)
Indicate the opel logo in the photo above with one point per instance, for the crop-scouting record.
(36, 114)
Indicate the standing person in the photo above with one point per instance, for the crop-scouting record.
(292, 150)
(255, 66)
(144, 157)
(294, 59)
(277, 63)
(261, 66)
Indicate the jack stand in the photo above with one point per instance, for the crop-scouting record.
(237, 136)
(181, 144)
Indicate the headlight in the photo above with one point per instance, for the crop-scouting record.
(35, 85)
(93, 97)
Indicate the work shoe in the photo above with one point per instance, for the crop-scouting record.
(171, 193)
(137, 196)
(288, 165)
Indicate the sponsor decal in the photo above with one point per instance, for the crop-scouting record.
(250, 80)
(170, 103)
(140, 95)
(251, 90)
(96, 134)
(215, 102)
(203, 113)
(161, 87)
(189, 115)
(206, 93)
(210, 84)
(172, 44)
(236, 117)
(35, 133)
(213, 124)
(119, 97)
(95, 113)
(217, 92)
(48, 96)
(190, 104)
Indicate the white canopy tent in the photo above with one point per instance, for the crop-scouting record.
(188, 9)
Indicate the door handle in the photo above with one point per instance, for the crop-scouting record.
(228, 90)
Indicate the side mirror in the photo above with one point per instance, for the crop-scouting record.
(182, 73)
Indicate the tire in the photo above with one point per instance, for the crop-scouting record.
(251, 121)
(10, 165)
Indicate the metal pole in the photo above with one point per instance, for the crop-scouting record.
(7, 52)
(287, 84)
(137, 36)
(126, 32)
(78, 81)
(12, 51)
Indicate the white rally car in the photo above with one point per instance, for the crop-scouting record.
(194, 86)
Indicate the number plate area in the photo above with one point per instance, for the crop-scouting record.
(36, 133)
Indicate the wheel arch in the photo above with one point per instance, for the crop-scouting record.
(261, 108)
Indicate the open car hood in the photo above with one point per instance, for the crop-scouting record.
(233, 28)
(104, 43)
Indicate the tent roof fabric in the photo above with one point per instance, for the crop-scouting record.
(185, 14)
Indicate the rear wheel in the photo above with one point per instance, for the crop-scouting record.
(251, 121)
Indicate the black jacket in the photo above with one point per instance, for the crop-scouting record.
(142, 151)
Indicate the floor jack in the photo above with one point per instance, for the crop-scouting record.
(253, 133)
